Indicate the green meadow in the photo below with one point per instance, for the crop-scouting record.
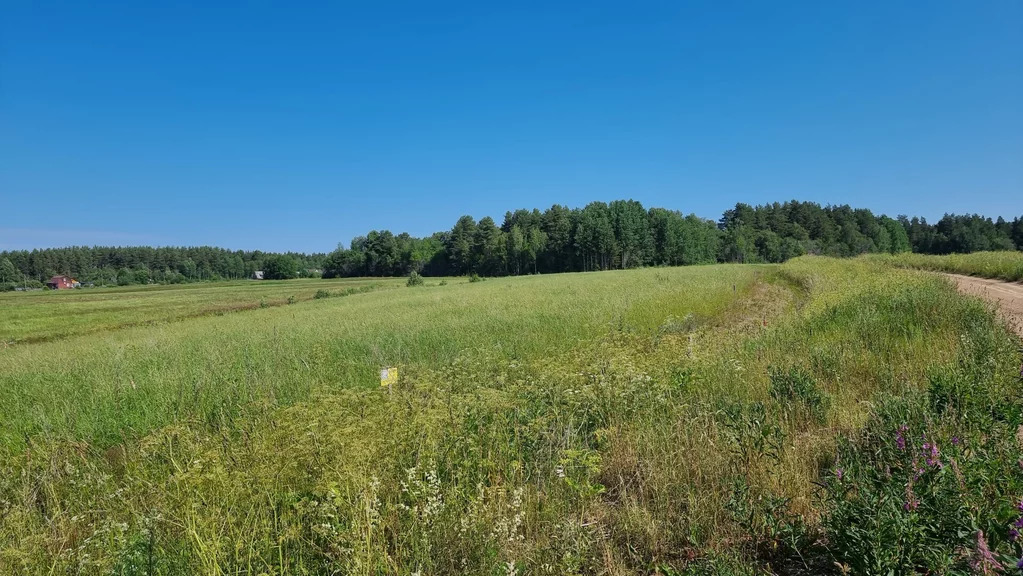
(55, 314)
(821, 416)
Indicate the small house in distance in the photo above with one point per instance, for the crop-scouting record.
(257, 275)
(62, 282)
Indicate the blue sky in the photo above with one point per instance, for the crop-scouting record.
(295, 126)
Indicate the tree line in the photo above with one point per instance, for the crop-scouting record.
(108, 265)
(624, 234)
(598, 236)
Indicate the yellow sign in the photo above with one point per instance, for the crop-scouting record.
(388, 376)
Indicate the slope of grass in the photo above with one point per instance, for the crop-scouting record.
(1001, 265)
(652, 421)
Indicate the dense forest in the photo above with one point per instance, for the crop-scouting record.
(599, 236)
(623, 234)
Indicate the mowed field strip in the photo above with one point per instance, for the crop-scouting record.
(51, 315)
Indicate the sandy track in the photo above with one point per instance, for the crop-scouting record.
(1008, 296)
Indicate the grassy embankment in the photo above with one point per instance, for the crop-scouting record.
(724, 419)
(1000, 265)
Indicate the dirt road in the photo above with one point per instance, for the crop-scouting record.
(1008, 296)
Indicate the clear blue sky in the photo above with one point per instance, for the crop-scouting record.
(293, 126)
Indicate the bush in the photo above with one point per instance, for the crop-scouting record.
(321, 294)
(474, 277)
(414, 279)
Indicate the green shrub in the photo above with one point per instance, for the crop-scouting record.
(474, 277)
(414, 279)
(321, 294)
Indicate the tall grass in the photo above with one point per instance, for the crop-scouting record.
(1001, 265)
(638, 422)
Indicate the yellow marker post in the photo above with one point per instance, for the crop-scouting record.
(388, 377)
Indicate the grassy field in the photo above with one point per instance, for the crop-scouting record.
(54, 314)
(820, 416)
(1001, 265)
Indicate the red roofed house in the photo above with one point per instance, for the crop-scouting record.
(61, 282)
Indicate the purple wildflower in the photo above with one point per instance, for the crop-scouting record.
(1013, 534)
(838, 473)
(932, 455)
(1020, 564)
(911, 500)
(1018, 523)
(984, 562)
(1020, 506)
(955, 440)
(900, 437)
(917, 470)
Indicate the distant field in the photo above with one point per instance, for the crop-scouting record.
(52, 314)
(1001, 265)
(818, 417)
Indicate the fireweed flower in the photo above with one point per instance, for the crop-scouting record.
(983, 562)
(911, 500)
(918, 471)
(932, 454)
